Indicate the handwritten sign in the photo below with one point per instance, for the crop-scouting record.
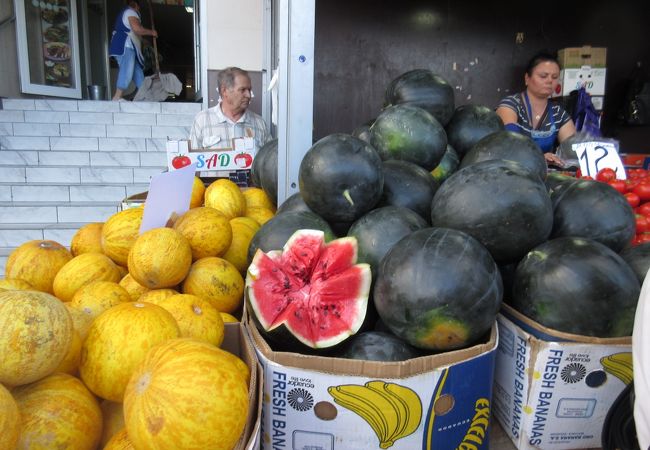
(594, 156)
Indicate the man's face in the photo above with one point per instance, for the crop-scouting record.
(239, 96)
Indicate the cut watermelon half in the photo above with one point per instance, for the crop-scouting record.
(311, 289)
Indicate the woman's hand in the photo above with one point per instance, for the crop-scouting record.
(553, 159)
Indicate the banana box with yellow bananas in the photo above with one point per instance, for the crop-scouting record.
(552, 390)
(322, 403)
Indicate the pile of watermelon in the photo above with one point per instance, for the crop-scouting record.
(419, 224)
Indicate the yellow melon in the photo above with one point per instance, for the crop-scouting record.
(196, 318)
(228, 318)
(155, 296)
(87, 239)
(134, 288)
(225, 196)
(207, 230)
(80, 271)
(58, 412)
(112, 420)
(256, 197)
(9, 420)
(117, 341)
(35, 335)
(70, 363)
(243, 230)
(160, 258)
(186, 394)
(120, 232)
(123, 271)
(217, 281)
(95, 298)
(14, 284)
(198, 191)
(259, 214)
(81, 321)
(120, 441)
(37, 262)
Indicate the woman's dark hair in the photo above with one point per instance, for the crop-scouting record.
(539, 58)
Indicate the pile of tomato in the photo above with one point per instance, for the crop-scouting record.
(636, 190)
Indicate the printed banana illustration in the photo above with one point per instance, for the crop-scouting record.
(619, 365)
(392, 411)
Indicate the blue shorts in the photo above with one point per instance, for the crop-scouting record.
(130, 69)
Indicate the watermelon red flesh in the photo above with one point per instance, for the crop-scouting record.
(313, 289)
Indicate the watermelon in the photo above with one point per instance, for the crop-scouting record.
(378, 346)
(447, 165)
(409, 185)
(293, 203)
(425, 89)
(275, 233)
(310, 293)
(555, 179)
(409, 133)
(438, 289)
(500, 203)
(577, 286)
(264, 172)
(363, 132)
(508, 145)
(470, 124)
(592, 210)
(341, 178)
(638, 258)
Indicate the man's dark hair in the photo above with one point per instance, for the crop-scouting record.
(226, 78)
(538, 58)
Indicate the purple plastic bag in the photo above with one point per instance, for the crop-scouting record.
(585, 116)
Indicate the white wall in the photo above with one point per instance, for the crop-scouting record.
(235, 34)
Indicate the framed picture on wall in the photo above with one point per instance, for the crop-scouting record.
(48, 47)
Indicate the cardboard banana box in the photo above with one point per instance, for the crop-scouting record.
(552, 390)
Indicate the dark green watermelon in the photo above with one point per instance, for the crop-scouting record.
(341, 178)
(425, 89)
(448, 165)
(264, 172)
(470, 124)
(508, 145)
(275, 233)
(363, 132)
(409, 133)
(438, 289)
(500, 203)
(638, 258)
(593, 210)
(378, 346)
(378, 230)
(293, 203)
(408, 185)
(577, 286)
(555, 179)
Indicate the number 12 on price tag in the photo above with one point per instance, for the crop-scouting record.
(595, 156)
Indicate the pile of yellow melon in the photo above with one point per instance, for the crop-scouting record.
(115, 343)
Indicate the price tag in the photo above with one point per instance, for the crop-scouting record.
(594, 156)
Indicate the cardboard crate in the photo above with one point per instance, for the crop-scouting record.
(551, 389)
(593, 80)
(236, 341)
(576, 57)
(635, 160)
(450, 393)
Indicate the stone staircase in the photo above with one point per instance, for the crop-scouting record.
(65, 163)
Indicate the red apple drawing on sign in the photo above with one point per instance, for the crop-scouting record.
(243, 160)
(181, 161)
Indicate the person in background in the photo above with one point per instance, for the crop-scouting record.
(126, 48)
(221, 126)
(532, 113)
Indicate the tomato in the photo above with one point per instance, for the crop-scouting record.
(644, 209)
(642, 238)
(643, 191)
(586, 177)
(633, 199)
(619, 185)
(642, 224)
(606, 175)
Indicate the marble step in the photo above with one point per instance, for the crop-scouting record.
(12, 213)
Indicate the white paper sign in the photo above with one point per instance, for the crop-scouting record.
(169, 195)
(594, 156)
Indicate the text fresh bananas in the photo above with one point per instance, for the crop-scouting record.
(392, 411)
(619, 365)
